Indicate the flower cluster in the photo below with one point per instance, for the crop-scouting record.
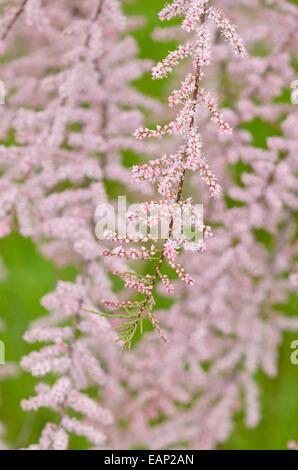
(292, 445)
(170, 170)
(69, 352)
(70, 126)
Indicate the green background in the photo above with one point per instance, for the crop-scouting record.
(30, 277)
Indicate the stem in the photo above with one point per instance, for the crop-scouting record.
(179, 192)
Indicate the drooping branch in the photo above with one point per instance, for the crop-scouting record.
(170, 170)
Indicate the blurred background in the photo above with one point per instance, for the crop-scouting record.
(26, 277)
